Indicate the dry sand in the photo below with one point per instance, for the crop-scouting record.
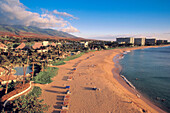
(113, 97)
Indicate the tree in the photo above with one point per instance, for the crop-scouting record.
(25, 69)
(8, 75)
(4, 60)
(27, 104)
(1, 51)
(9, 51)
(32, 69)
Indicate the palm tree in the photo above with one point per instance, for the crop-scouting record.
(9, 51)
(8, 75)
(32, 69)
(1, 51)
(24, 70)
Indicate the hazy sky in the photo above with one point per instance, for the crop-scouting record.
(102, 19)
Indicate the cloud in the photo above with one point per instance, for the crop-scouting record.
(64, 14)
(69, 29)
(14, 12)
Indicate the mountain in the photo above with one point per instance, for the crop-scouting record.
(30, 31)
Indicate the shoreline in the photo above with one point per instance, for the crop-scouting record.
(95, 71)
(135, 92)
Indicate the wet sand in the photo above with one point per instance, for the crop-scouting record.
(94, 69)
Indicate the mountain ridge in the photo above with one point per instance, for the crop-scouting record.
(26, 31)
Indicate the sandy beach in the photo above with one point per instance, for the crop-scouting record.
(95, 69)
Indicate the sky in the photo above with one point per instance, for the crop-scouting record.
(97, 19)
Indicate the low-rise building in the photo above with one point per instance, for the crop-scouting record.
(86, 44)
(3, 47)
(139, 41)
(21, 46)
(37, 45)
(3, 79)
(2, 71)
(53, 44)
(45, 43)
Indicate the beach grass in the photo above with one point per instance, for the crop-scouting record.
(61, 62)
(44, 77)
(35, 91)
(73, 57)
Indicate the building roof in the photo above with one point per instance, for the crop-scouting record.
(21, 46)
(53, 44)
(37, 45)
(2, 45)
(1, 69)
(3, 78)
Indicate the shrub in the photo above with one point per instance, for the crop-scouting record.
(28, 104)
(35, 91)
(59, 63)
(73, 57)
(44, 77)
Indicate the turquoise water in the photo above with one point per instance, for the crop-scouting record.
(19, 70)
(152, 68)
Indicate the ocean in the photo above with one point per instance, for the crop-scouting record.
(149, 71)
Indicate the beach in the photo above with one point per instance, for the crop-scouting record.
(95, 69)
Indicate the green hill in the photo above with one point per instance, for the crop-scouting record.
(17, 29)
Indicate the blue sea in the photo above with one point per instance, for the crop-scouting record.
(149, 71)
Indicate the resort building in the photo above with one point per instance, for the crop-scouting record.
(140, 41)
(37, 45)
(165, 41)
(126, 40)
(53, 44)
(3, 47)
(150, 41)
(159, 42)
(3, 79)
(21, 46)
(2, 71)
(86, 44)
(45, 43)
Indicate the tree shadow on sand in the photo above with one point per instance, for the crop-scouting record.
(58, 92)
(57, 106)
(56, 111)
(88, 88)
(60, 98)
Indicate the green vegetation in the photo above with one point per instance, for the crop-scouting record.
(73, 57)
(44, 77)
(35, 91)
(110, 48)
(28, 104)
(16, 29)
(61, 62)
